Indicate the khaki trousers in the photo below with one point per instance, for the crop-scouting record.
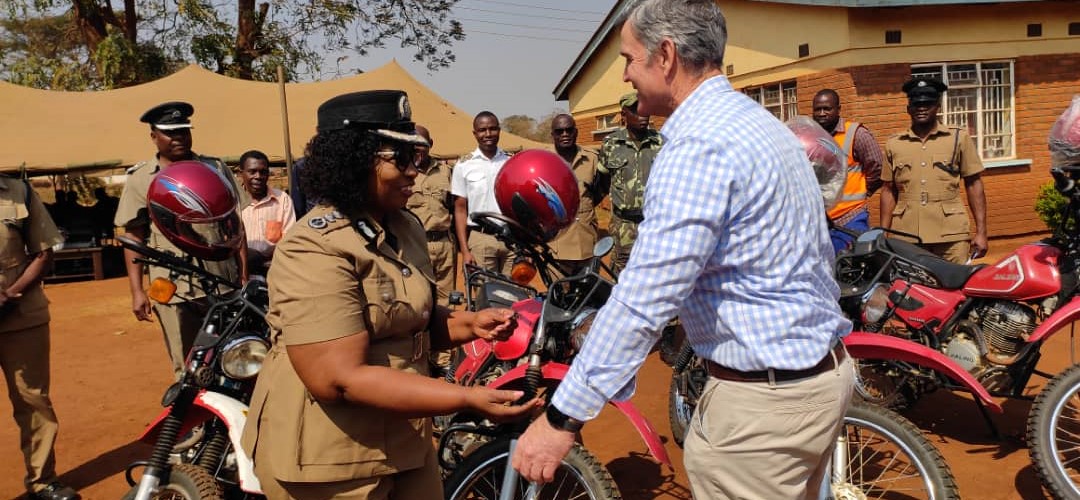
(956, 252)
(24, 357)
(180, 324)
(424, 483)
(760, 441)
(490, 253)
(444, 262)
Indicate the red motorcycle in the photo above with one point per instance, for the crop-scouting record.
(990, 321)
(551, 328)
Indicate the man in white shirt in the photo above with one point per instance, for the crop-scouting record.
(473, 187)
(269, 214)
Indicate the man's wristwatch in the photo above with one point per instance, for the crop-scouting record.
(560, 420)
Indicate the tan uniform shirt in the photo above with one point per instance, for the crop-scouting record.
(431, 197)
(20, 218)
(333, 278)
(928, 201)
(132, 211)
(577, 240)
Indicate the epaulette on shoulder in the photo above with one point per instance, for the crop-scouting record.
(132, 169)
(465, 157)
(588, 150)
(328, 221)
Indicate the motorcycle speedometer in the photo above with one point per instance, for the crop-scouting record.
(242, 358)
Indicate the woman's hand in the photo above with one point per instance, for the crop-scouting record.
(494, 324)
(497, 405)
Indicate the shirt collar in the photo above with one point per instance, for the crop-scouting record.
(711, 86)
(937, 130)
(271, 194)
(499, 155)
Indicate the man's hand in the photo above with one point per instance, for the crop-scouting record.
(467, 258)
(494, 324)
(6, 297)
(497, 405)
(540, 450)
(140, 306)
(979, 246)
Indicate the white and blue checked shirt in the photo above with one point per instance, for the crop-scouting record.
(734, 242)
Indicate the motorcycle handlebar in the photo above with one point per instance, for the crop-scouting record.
(158, 258)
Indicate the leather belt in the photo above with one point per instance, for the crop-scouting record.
(437, 235)
(634, 215)
(826, 364)
(483, 229)
(850, 216)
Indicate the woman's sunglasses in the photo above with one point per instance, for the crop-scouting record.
(402, 155)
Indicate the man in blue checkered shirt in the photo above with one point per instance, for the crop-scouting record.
(735, 243)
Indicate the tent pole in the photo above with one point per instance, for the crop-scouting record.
(285, 123)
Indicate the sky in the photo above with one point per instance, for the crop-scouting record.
(513, 56)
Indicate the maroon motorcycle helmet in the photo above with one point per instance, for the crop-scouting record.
(538, 190)
(194, 207)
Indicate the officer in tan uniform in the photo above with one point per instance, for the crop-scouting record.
(921, 179)
(339, 410)
(431, 203)
(573, 247)
(27, 236)
(170, 131)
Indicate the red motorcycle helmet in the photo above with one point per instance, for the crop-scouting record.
(537, 189)
(194, 207)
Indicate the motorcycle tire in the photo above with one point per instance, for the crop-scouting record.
(480, 475)
(882, 444)
(186, 482)
(1051, 430)
(671, 341)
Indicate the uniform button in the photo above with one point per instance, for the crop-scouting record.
(406, 272)
(924, 163)
(386, 297)
(425, 314)
(924, 181)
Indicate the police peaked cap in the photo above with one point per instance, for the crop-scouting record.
(924, 90)
(629, 100)
(171, 115)
(382, 112)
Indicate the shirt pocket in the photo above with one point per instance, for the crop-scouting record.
(899, 209)
(956, 218)
(476, 183)
(947, 181)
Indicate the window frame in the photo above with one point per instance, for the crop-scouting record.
(981, 107)
(787, 93)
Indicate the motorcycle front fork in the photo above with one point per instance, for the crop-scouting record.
(510, 479)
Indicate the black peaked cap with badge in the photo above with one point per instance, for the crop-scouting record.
(924, 90)
(170, 115)
(385, 113)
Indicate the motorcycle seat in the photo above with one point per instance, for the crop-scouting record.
(952, 276)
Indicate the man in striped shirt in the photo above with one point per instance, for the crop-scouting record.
(734, 242)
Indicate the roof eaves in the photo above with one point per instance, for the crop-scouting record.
(583, 57)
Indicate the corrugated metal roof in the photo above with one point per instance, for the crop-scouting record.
(886, 3)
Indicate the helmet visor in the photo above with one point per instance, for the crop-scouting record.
(209, 239)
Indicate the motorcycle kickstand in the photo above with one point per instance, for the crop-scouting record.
(986, 417)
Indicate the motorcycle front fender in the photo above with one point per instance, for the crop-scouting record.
(866, 345)
(232, 413)
(553, 373)
(1061, 318)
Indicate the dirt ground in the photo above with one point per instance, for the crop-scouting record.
(109, 372)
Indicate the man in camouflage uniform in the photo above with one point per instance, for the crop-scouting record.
(431, 203)
(573, 247)
(181, 318)
(626, 156)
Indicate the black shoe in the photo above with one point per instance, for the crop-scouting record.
(55, 491)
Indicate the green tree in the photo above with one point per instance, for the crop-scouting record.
(107, 48)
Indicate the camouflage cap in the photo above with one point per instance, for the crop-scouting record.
(628, 100)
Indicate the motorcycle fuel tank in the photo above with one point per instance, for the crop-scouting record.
(528, 313)
(1030, 272)
(924, 305)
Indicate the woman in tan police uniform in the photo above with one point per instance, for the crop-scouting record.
(340, 409)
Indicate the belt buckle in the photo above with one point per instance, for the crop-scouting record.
(924, 198)
(417, 347)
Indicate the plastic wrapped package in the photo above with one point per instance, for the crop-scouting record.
(828, 160)
(1065, 137)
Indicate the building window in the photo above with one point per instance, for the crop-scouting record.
(980, 99)
(606, 122)
(780, 99)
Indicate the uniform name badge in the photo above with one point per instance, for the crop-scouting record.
(417, 346)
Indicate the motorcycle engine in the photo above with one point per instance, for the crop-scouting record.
(965, 351)
(1005, 326)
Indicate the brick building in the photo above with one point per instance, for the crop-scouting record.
(1012, 68)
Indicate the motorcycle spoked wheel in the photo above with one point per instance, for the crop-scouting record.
(683, 395)
(186, 482)
(1052, 427)
(480, 476)
(888, 457)
(876, 383)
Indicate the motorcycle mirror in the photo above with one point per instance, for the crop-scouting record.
(603, 246)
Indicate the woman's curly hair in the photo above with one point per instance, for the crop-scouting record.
(337, 168)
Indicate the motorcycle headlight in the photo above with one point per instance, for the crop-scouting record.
(875, 303)
(242, 358)
(580, 328)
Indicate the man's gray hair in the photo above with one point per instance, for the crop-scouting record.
(696, 27)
